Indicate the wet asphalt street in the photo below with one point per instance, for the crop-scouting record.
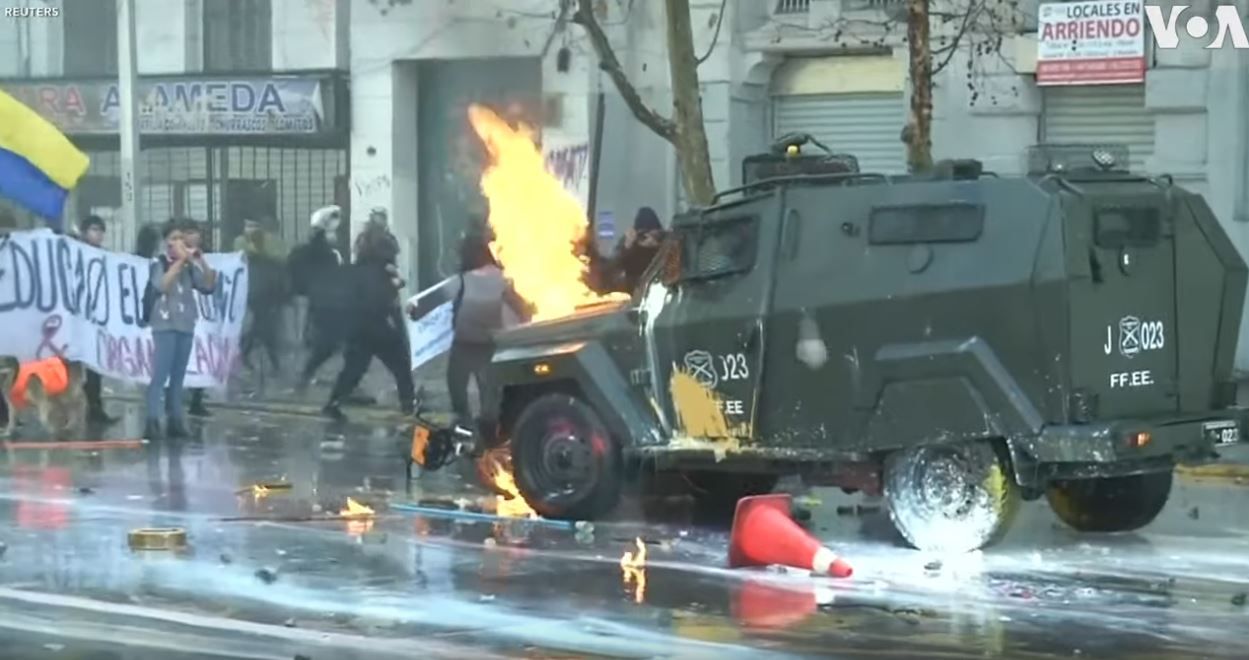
(403, 586)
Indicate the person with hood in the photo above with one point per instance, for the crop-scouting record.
(636, 250)
(483, 302)
(374, 324)
(91, 230)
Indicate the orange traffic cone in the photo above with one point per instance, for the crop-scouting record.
(765, 534)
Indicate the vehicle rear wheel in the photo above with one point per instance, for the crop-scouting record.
(1112, 504)
(567, 464)
(952, 498)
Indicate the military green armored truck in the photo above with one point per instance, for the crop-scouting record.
(956, 341)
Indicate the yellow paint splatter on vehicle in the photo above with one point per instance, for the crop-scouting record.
(700, 411)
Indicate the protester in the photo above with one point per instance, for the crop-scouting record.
(175, 276)
(147, 243)
(375, 325)
(257, 239)
(636, 250)
(480, 296)
(267, 296)
(91, 230)
(317, 275)
(194, 240)
(311, 262)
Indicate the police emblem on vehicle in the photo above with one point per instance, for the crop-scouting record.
(700, 365)
(1136, 336)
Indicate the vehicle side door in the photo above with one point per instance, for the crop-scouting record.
(707, 321)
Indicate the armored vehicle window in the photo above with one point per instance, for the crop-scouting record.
(1127, 226)
(925, 223)
(719, 248)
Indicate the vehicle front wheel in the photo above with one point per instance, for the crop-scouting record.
(951, 498)
(1111, 504)
(568, 465)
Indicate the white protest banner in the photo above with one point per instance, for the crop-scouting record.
(60, 296)
(1097, 42)
(430, 334)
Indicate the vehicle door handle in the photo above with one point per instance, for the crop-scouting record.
(752, 338)
(792, 231)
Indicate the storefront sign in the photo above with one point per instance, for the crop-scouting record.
(1091, 43)
(60, 296)
(239, 106)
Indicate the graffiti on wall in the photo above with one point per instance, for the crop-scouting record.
(569, 163)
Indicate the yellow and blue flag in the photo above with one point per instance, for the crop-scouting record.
(38, 164)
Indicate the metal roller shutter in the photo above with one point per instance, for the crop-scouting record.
(867, 125)
(1100, 114)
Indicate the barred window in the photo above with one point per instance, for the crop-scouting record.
(90, 38)
(238, 35)
(926, 223)
(719, 248)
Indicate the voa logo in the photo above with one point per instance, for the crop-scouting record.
(1226, 19)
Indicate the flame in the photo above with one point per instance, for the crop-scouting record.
(513, 505)
(259, 491)
(359, 517)
(538, 225)
(633, 569)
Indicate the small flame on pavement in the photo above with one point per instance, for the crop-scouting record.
(359, 517)
(633, 568)
(512, 505)
(259, 491)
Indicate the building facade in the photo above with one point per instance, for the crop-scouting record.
(243, 106)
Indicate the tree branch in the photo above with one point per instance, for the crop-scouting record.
(584, 16)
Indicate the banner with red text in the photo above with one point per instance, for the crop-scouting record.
(60, 296)
(1099, 42)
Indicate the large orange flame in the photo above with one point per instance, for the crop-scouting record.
(512, 505)
(539, 226)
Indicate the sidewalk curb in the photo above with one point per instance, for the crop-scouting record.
(354, 413)
(1219, 471)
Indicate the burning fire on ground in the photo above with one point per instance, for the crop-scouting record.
(539, 227)
(500, 476)
(359, 517)
(633, 570)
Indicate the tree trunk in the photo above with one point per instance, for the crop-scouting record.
(919, 143)
(691, 134)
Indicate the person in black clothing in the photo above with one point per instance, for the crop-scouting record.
(316, 276)
(374, 322)
(636, 250)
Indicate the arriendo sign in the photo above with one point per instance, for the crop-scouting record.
(1091, 43)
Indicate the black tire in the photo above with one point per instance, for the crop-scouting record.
(951, 498)
(1111, 504)
(568, 466)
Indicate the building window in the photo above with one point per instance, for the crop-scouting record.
(238, 35)
(90, 38)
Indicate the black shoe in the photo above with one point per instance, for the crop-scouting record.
(177, 429)
(151, 430)
(199, 410)
(99, 417)
(332, 411)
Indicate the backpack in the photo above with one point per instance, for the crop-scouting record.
(151, 294)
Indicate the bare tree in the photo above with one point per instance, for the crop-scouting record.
(685, 129)
(935, 32)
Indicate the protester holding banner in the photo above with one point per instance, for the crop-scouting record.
(173, 312)
(91, 230)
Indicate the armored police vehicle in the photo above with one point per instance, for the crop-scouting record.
(957, 341)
